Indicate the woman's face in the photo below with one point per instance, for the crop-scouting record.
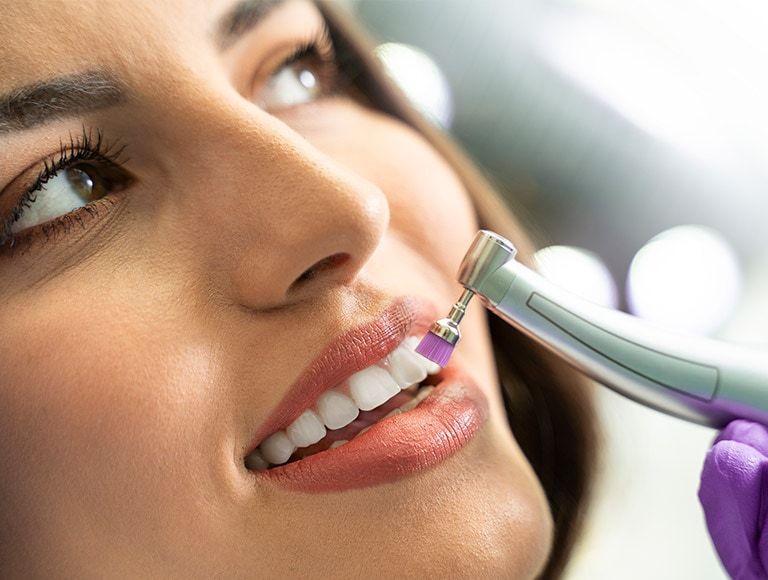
(259, 239)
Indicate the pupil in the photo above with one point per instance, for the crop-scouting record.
(81, 182)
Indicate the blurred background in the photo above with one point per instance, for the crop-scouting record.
(630, 137)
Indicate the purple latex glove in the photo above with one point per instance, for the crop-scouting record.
(734, 495)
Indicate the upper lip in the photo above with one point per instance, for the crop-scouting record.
(354, 350)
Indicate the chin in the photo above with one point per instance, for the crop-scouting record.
(480, 514)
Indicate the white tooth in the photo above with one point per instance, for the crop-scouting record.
(338, 443)
(255, 461)
(306, 430)
(432, 367)
(336, 409)
(394, 412)
(406, 366)
(408, 406)
(364, 430)
(371, 387)
(412, 390)
(424, 392)
(277, 448)
(413, 403)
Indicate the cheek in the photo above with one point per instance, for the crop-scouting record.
(95, 407)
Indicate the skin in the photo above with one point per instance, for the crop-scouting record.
(141, 352)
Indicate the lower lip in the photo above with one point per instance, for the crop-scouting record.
(395, 447)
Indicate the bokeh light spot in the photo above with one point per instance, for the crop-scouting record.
(420, 79)
(686, 279)
(579, 271)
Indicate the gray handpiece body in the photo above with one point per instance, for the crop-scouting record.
(701, 380)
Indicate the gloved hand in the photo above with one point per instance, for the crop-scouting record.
(734, 495)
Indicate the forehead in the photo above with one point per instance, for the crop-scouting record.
(41, 38)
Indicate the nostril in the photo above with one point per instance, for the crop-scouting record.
(328, 263)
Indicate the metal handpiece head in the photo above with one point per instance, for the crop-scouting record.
(488, 252)
(486, 255)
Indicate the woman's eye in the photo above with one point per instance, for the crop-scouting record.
(72, 187)
(294, 84)
(309, 74)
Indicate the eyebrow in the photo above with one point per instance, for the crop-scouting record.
(63, 96)
(240, 19)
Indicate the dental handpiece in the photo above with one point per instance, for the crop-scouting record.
(693, 378)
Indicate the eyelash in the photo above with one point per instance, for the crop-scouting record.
(332, 70)
(94, 148)
(85, 147)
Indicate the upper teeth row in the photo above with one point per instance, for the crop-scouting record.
(368, 389)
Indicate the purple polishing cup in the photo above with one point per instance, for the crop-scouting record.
(435, 349)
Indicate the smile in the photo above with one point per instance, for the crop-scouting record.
(398, 414)
(389, 387)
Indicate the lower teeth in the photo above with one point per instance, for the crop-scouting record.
(420, 393)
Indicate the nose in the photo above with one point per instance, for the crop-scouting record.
(286, 221)
(317, 230)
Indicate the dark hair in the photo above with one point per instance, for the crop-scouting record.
(549, 406)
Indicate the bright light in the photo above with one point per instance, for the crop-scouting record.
(579, 271)
(655, 63)
(307, 78)
(420, 79)
(686, 279)
(646, 84)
